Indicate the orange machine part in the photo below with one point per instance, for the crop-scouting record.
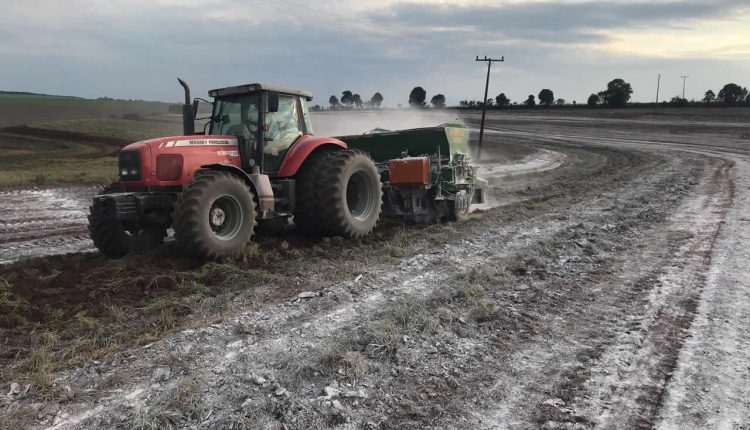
(409, 172)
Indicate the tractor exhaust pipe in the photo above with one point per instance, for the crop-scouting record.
(188, 114)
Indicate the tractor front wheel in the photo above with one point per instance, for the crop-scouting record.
(215, 215)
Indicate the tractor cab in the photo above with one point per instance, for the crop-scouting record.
(266, 119)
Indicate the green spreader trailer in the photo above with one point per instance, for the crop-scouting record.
(426, 172)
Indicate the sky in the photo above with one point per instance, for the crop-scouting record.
(136, 48)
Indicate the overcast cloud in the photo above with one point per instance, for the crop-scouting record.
(136, 48)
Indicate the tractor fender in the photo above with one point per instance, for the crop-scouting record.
(260, 185)
(302, 149)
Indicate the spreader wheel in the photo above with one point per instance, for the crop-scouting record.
(458, 209)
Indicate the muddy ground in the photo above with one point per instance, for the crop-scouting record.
(607, 288)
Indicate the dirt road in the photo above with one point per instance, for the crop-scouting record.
(608, 292)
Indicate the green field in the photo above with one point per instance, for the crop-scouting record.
(108, 107)
(54, 140)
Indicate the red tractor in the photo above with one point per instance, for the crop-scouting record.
(257, 162)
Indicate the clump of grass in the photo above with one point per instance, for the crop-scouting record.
(17, 415)
(415, 317)
(115, 380)
(185, 395)
(383, 339)
(483, 311)
(351, 364)
(9, 302)
(227, 275)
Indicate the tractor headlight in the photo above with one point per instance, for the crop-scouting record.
(130, 166)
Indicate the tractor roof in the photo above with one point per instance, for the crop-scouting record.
(254, 88)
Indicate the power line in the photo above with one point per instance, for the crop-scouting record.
(489, 62)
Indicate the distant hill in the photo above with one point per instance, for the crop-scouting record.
(26, 93)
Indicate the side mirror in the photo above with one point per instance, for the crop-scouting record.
(273, 102)
(195, 108)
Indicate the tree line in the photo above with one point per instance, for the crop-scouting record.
(351, 100)
(617, 94)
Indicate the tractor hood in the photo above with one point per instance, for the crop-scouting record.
(183, 142)
(171, 161)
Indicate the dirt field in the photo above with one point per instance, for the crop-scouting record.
(605, 286)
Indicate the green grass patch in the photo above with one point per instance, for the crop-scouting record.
(78, 165)
(73, 158)
(111, 106)
(117, 128)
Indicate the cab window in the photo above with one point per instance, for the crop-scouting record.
(284, 128)
(237, 116)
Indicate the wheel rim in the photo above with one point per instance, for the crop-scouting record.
(360, 196)
(225, 217)
(461, 205)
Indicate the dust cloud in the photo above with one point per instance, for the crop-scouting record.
(342, 123)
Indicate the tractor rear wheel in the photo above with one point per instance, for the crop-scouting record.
(215, 215)
(116, 239)
(348, 194)
(307, 180)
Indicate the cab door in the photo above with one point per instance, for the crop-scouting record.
(282, 129)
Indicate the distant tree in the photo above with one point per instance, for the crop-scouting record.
(316, 108)
(376, 100)
(574, 102)
(347, 98)
(333, 101)
(593, 100)
(709, 96)
(732, 93)
(357, 100)
(490, 102)
(463, 103)
(747, 99)
(617, 93)
(560, 101)
(438, 101)
(417, 97)
(530, 101)
(546, 97)
(678, 101)
(501, 100)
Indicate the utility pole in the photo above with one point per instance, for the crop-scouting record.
(489, 62)
(658, 82)
(684, 79)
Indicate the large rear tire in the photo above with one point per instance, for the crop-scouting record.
(348, 194)
(215, 215)
(307, 180)
(116, 239)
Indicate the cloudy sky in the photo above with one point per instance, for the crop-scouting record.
(136, 48)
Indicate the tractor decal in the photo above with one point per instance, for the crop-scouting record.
(202, 142)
